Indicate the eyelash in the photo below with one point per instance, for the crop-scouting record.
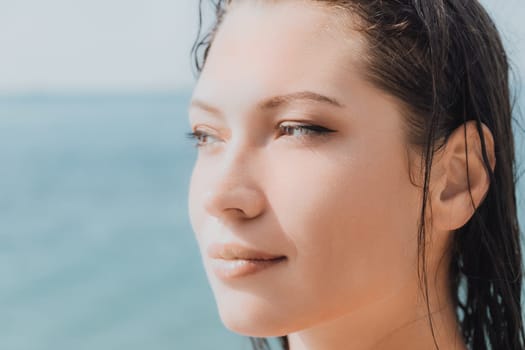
(196, 135)
(311, 130)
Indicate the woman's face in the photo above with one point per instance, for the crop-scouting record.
(338, 204)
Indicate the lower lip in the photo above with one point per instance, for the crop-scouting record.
(240, 268)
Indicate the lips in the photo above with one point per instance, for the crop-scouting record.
(232, 251)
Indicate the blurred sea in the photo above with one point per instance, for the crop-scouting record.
(96, 250)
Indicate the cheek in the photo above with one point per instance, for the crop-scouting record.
(352, 224)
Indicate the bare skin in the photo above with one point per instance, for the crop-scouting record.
(339, 205)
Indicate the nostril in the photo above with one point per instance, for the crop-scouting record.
(242, 202)
(239, 211)
(234, 211)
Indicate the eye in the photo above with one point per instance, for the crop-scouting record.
(302, 130)
(201, 138)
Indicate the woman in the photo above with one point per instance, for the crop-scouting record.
(354, 184)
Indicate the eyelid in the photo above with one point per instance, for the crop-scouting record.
(312, 128)
(197, 133)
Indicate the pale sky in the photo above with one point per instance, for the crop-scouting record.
(56, 45)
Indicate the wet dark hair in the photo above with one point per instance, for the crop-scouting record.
(445, 63)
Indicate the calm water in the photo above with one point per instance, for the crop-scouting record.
(96, 250)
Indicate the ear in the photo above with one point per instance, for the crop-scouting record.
(459, 180)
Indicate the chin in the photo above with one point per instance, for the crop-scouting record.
(254, 321)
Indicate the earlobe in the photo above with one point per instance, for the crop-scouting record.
(463, 180)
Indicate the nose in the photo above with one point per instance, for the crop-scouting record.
(231, 203)
(235, 193)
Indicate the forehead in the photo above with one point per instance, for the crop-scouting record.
(265, 48)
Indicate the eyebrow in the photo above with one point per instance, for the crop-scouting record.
(277, 101)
